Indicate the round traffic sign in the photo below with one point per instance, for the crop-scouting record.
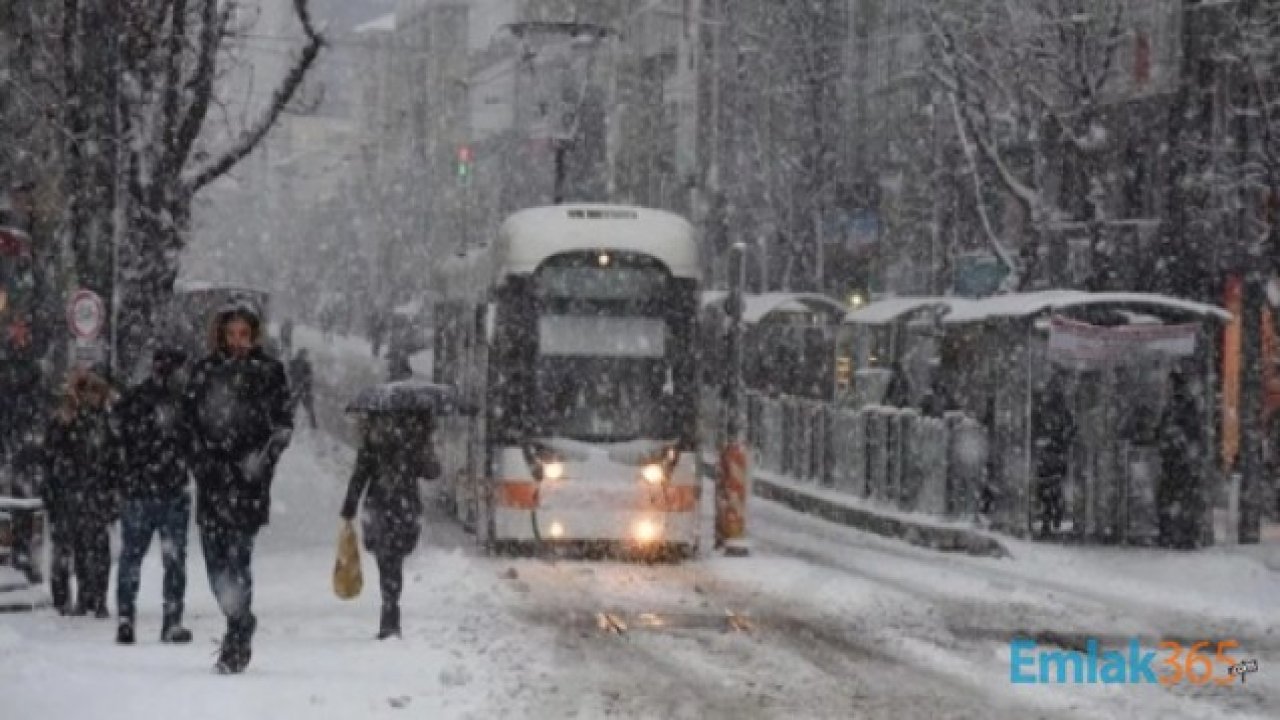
(86, 314)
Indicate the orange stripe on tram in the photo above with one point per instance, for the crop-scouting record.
(676, 498)
(516, 494)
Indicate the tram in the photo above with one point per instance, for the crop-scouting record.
(574, 334)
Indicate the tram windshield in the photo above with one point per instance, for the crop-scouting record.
(605, 350)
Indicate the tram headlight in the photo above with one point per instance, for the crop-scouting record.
(653, 473)
(553, 470)
(646, 531)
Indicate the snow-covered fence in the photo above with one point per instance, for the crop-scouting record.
(847, 448)
(925, 479)
(966, 464)
(890, 455)
(877, 438)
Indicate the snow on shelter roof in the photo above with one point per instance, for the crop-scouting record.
(888, 310)
(530, 236)
(1034, 303)
(205, 286)
(382, 23)
(757, 307)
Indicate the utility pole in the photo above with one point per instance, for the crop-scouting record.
(733, 471)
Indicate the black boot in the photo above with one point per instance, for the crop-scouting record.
(234, 656)
(124, 631)
(172, 631)
(236, 646)
(389, 625)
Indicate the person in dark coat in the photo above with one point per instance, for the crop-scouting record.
(395, 451)
(1177, 496)
(237, 406)
(398, 366)
(898, 393)
(286, 337)
(156, 447)
(1055, 432)
(377, 331)
(302, 380)
(81, 471)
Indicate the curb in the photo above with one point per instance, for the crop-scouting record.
(942, 539)
(19, 598)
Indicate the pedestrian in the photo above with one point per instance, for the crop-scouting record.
(1177, 496)
(395, 451)
(1055, 433)
(80, 491)
(155, 491)
(328, 318)
(898, 392)
(302, 378)
(398, 366)
(237, 406)
(286, 337)
(377, 331)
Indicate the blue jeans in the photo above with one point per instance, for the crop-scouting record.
(139, 520)
(228, 554)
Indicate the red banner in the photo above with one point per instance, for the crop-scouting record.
(1080, 343)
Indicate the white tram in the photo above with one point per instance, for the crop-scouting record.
(575, 334)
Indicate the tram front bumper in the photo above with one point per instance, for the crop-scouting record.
(634, 518)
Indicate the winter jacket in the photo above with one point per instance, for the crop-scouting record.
(155, 442)
(388, 466)
(300, 375)
(240, 422)
(82, 469)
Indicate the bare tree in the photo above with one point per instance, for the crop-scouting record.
(139, 82)
(1025, 84)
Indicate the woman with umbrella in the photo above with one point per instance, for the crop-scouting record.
(395, 450)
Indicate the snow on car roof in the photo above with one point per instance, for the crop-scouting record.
(1034, 303)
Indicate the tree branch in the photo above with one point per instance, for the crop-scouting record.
(171, 100)
(212, 27)
(283, 94)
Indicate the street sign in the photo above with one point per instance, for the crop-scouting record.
(87, 353)
(86, 314)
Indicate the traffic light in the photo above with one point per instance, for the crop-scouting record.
(464, 164)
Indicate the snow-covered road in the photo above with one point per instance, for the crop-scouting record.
(840, 624)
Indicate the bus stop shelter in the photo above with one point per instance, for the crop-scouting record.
(1100, 379)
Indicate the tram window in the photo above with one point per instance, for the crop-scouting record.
(601, 336)
(600, 284)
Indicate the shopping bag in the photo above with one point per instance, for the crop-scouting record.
(347, 580)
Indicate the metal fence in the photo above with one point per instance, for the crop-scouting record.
(893, 456)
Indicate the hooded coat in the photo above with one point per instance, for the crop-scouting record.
(239, 417)
(82, 465)
(394, 454)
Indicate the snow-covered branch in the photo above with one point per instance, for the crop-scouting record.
(279, 101)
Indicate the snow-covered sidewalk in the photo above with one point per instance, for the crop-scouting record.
(314, 656)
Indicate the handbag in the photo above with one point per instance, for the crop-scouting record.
(347, 579)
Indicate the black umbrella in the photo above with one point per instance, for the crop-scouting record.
(406, 396)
